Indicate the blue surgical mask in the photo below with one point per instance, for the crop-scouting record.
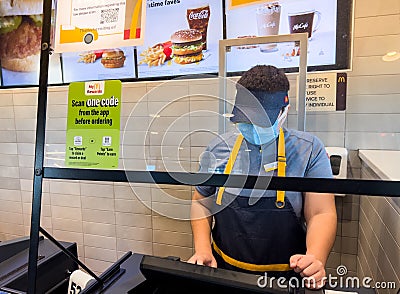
(261, 135)
(258, 135)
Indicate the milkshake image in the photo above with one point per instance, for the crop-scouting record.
(268, 18)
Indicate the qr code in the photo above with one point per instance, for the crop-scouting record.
(106, 141)
(78, 140)
(109, 16)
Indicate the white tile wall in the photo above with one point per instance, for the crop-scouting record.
(136, 220)
(366, 104)
(373, 65)
(373, 8)
(10, 195)
(100, 241)
(7, 112)
(376, 25)
(66, 200)
(373, 85)
(7, 124)
(365, 46)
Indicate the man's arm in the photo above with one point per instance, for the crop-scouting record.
(201, 220)
(321, 219)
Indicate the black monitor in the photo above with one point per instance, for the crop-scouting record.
(165, 275)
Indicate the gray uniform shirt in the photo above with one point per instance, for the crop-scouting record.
(305, 157)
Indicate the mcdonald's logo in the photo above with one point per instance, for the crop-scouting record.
(341, 91)
(94, 88)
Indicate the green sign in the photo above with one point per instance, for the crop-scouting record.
(93, 124)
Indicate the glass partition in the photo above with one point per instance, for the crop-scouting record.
(169, 127)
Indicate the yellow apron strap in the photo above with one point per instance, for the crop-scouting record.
(251, 266)
(280, 195)
(229, 165)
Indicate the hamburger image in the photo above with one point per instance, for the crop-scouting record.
(187, 46)
(20, 34)
(113, 58)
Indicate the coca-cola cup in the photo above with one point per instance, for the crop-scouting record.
(198, 19)
(268, 18)
(303, 22)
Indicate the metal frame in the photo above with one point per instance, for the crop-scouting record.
(225, 46)
(322, 185)
(39, 148)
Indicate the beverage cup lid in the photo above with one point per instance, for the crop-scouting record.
(269, 7)
(199, 5)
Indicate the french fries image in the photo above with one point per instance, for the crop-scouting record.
(90, 56)
(153, 56)
(87, 57)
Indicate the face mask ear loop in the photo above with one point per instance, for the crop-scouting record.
(281, 119)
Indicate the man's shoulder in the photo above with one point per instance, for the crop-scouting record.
(301, 135)
(220, 140)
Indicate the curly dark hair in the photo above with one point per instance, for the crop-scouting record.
(265, 78)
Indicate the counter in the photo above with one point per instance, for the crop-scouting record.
(385, 163)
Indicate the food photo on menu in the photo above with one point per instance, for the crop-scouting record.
(102, 64)
(181, 38)
(20, 39)
(317, 18)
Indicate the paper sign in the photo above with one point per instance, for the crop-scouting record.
(325, 92)
(84, 25)
(93, 124)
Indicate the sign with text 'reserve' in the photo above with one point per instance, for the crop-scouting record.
(84, 25)
(326, 92)
(93, 124)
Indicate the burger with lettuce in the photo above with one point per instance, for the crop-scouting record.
(187, 46)
(20, 34)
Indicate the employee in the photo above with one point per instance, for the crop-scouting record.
(283, 233)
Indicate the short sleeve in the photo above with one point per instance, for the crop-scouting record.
(207, 164)
(214, 158)
(206, 191)
(319, 165)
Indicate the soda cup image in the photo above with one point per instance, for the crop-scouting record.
(197, 19)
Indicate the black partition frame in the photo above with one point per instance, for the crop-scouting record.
(343, 186)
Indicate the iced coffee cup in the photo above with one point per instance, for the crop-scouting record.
(198, 19)
(268, 18)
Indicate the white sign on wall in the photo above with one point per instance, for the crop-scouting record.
(325, 92)
(98, 24)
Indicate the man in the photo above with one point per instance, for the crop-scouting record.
(263, 231)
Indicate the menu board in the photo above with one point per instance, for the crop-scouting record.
(20, 44)
(181, 38)
(117, 63)
(317, 18)
(30, 76)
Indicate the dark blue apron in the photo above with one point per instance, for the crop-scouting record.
(260, 237)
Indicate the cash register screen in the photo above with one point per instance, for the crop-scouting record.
(170, 276)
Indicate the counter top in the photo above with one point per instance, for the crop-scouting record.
(385, 163)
